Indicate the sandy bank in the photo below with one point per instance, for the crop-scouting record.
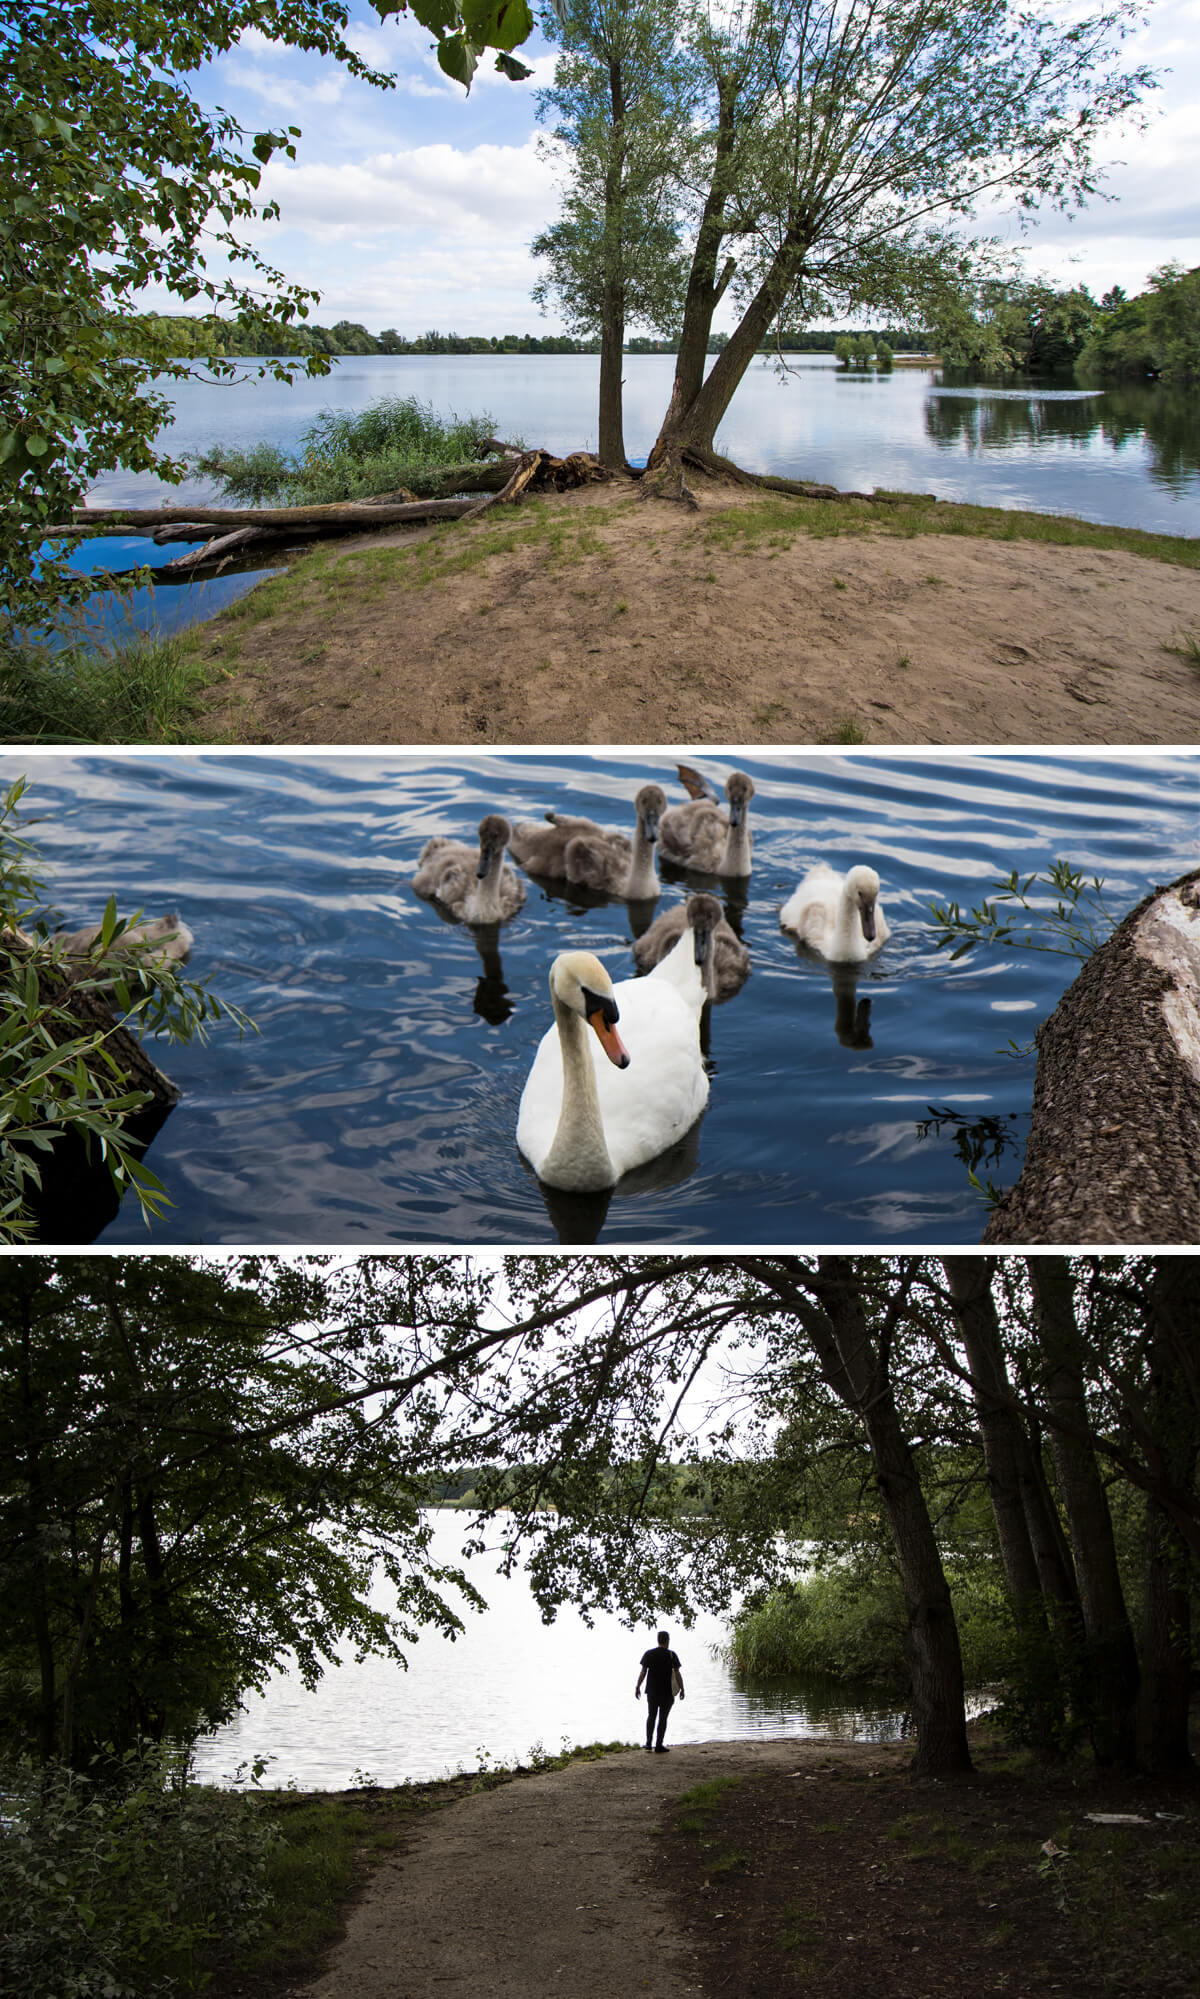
(597, 618)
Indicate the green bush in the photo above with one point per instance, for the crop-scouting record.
(112, 1885)
(848, 1623)
(351, 455)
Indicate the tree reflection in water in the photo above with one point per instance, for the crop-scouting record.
(1012, 414)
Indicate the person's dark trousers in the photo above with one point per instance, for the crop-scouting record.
(660, 1709)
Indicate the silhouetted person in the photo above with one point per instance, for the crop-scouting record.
(664, 1679)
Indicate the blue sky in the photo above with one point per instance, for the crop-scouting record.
(415, 207)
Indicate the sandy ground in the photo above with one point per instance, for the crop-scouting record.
(645, 623)
(540, 1887)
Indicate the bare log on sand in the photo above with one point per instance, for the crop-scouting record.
(1114, 1148)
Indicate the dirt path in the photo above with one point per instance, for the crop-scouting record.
(540, 1887)
(597, 618)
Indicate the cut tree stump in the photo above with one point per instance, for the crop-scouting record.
(1114, 1147)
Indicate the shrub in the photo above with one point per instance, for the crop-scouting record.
(111, 1884)
(351, 455)
(848, 1623)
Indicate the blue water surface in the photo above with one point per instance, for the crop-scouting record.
(377, 1102)
(1127, 456)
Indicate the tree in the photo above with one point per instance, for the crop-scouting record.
(1016, 325)
(113, 178)
(620, 96)
(841, 141)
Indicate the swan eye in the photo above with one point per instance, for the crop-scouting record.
(599, 1003)
(602, 1015)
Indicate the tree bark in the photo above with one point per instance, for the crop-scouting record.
(611, 432)
(1174, 1418)
(1114, 1147)
(1112, 1654)
(856, 1369)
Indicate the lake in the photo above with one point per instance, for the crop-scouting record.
(378, 1101)
(508, 1683)
(1128, 456)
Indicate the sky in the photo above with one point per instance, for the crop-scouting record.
(415, 208)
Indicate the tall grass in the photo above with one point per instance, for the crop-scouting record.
(351, 455)
(140, 691)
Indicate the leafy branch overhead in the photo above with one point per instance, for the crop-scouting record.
(115, 179)
(1074, 926)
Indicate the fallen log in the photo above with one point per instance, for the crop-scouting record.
(222, 547)
(1114, 1147)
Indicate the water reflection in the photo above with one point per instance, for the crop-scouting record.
(1156, 420)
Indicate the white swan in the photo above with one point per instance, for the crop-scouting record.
(475, 885)
(695, 936)
(592, 1108)
(592, 856)
(837, 915)
(699, 835)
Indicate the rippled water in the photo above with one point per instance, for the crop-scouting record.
(1128, 455)
(508, 1683)
(378, 1102)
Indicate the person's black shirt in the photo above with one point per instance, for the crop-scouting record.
(659, 1662)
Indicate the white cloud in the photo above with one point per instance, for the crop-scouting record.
(497, 192)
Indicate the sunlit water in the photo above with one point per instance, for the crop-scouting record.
(1128, 456)
(509, 1683)
(377, 1103)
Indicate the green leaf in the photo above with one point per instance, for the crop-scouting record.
(459, 60)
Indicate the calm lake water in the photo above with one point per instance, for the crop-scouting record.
(378, 1102)
(1128, 456)
(509, 1682)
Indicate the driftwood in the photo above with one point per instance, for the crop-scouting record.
(1114, 1148)
(225, 531)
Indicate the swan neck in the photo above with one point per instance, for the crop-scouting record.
(579, 1155)
(642, 882)
(736, 858)
(483, 901)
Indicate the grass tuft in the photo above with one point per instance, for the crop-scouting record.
(142, 691)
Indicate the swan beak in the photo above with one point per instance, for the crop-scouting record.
(485, 860)
(700, 942)
(602, 1017)
(650, 826)
(868, 922)
(737, 811)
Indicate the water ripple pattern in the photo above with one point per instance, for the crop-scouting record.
(377, 1102)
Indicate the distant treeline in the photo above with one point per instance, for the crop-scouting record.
(183, 335)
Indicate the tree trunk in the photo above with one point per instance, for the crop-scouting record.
(1174, 1420)
(611, 434)
(1005, 1455)
(856, 1370)
(1114, 1147)
(705, 288)
(1112, 1654)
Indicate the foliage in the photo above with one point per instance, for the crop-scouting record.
(837, 144)
(1013, 325)
(620, 98)
(397, 441)
(182, 334)
(112, 1883)
(112, 179)
(1074, 926)
(57, 1077)
(847, 1622)
(142, 690)
(1157, 333)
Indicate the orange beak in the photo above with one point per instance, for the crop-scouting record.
(611, 1042)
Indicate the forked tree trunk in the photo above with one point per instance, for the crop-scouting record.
(856, 1369)
(1114, 1147)
(611, 433)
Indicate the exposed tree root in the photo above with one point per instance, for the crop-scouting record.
(664, 479)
